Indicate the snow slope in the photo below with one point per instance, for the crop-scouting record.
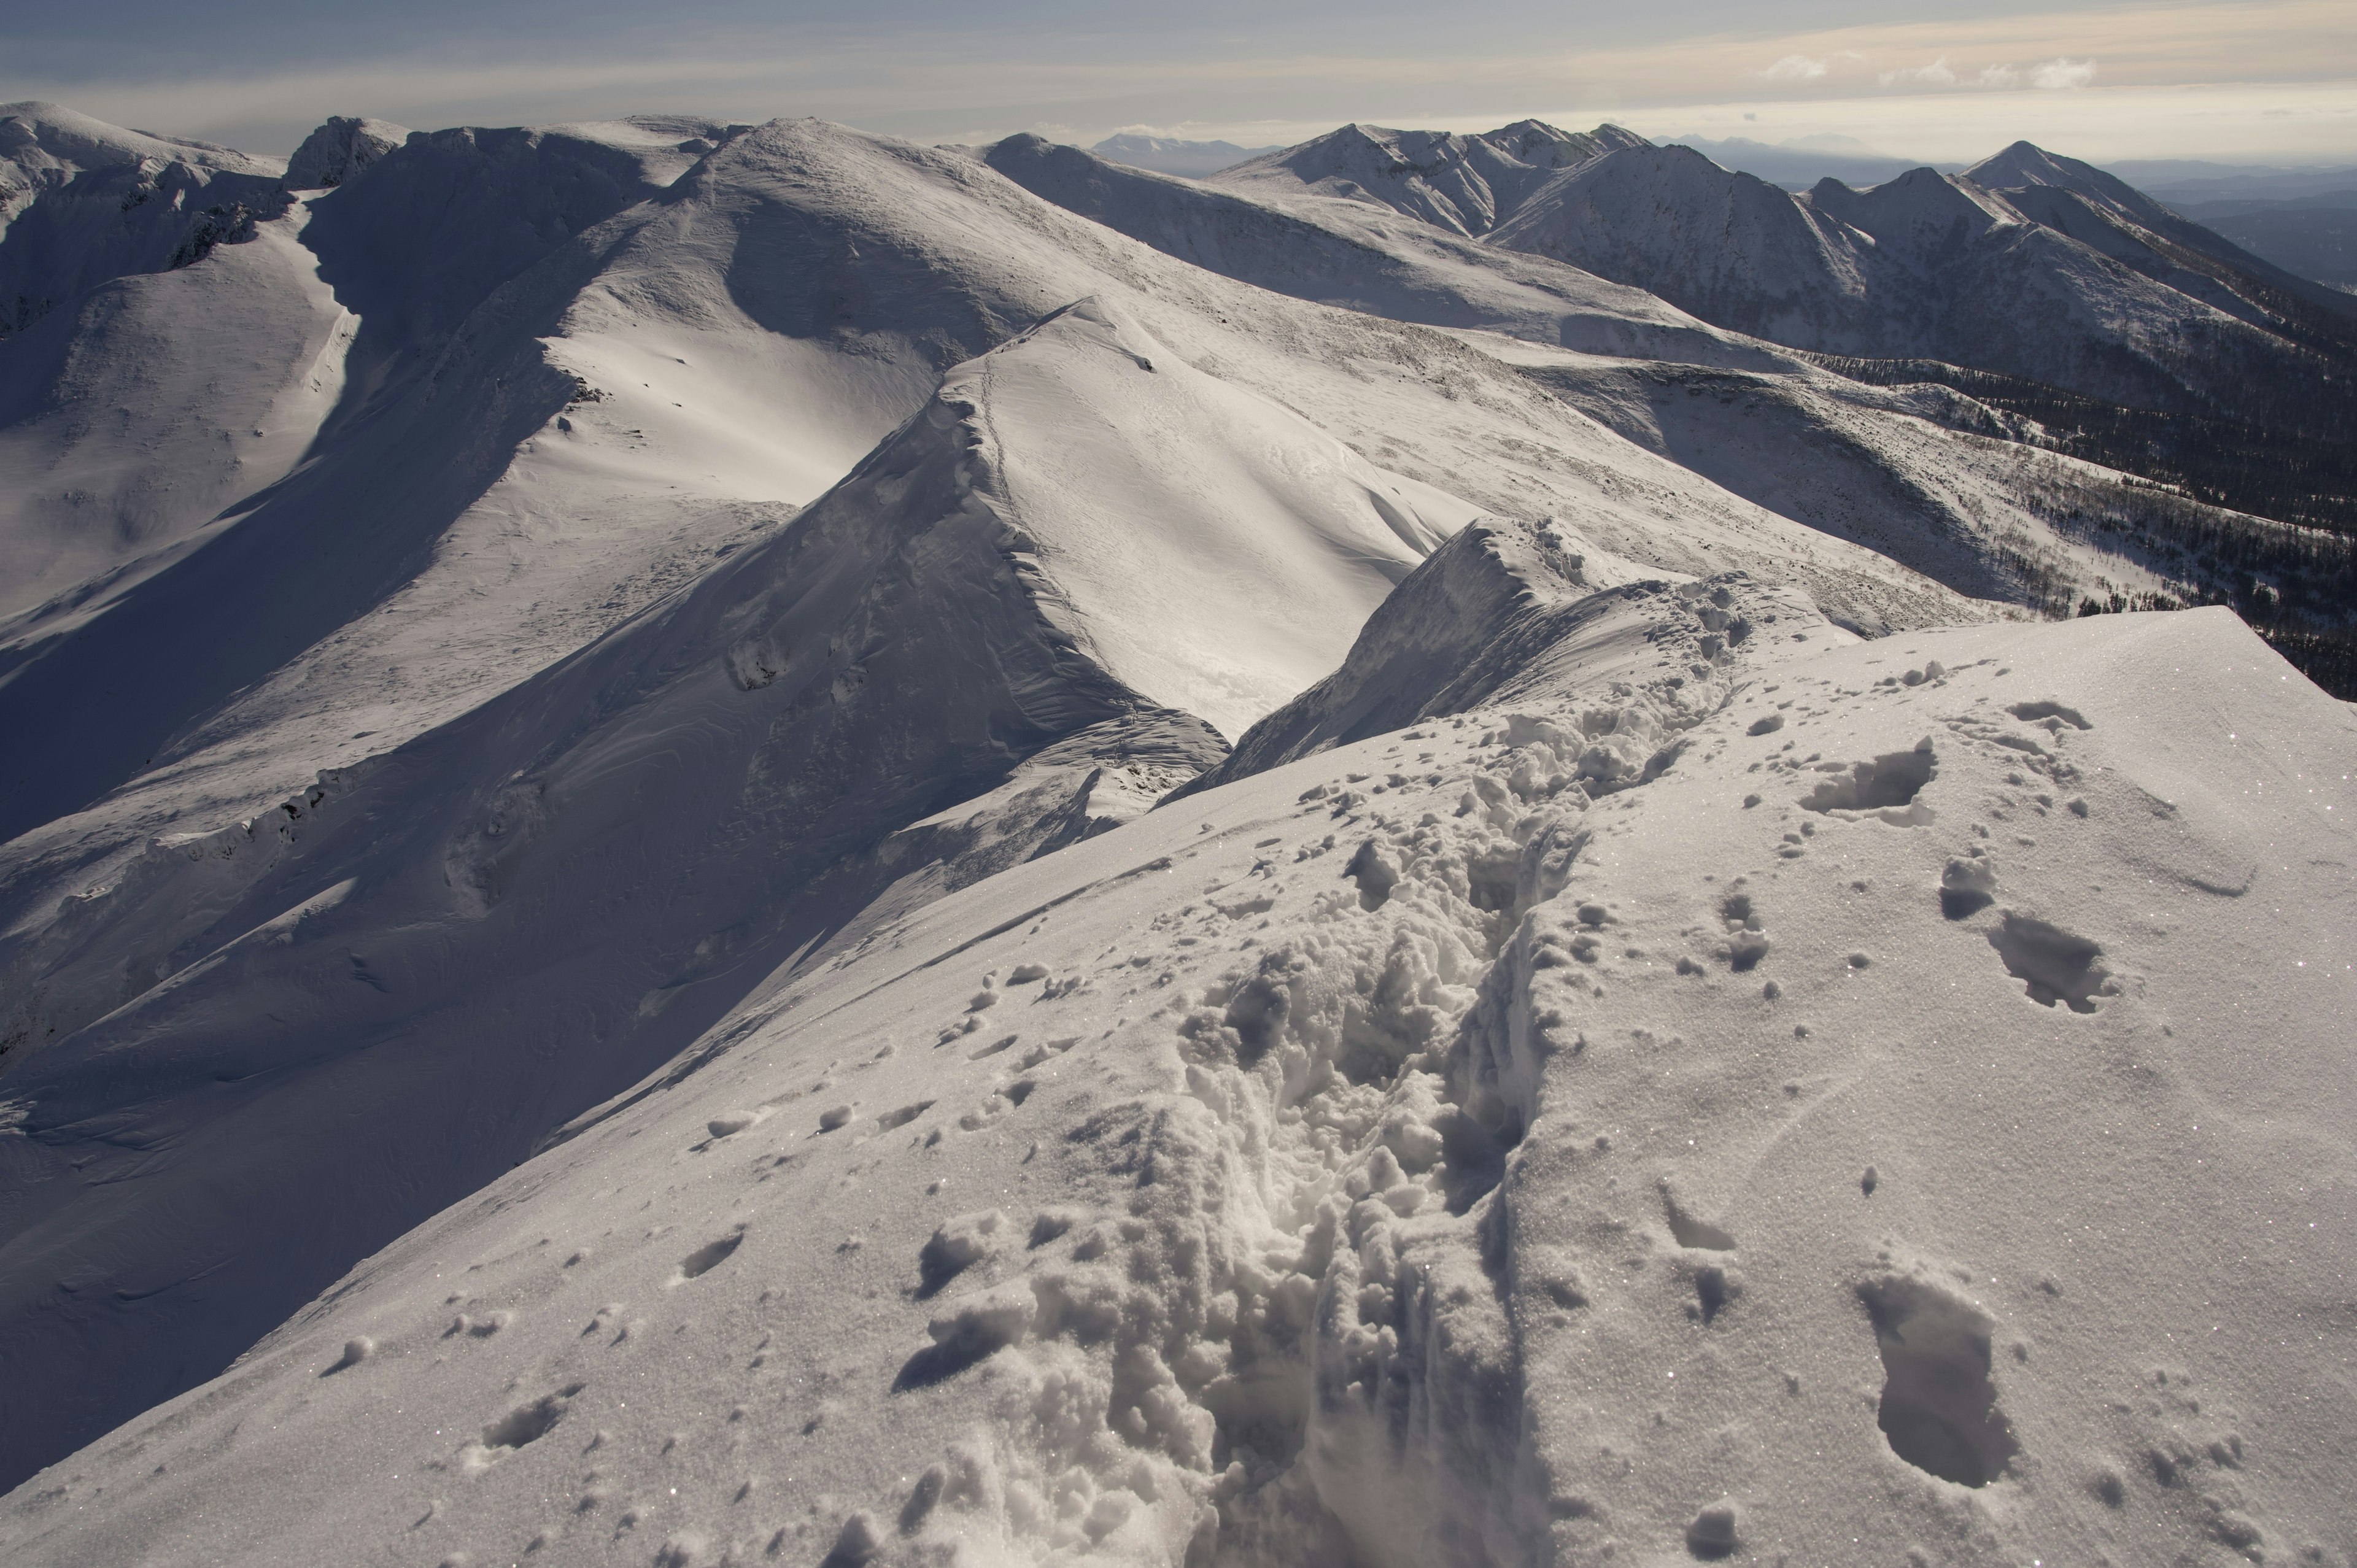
(1918, 474)
(1335, 251)
(975, 593)
(122, 432)
(1842, 1141)
(719, 352)
(2122, 223)
(692, 552)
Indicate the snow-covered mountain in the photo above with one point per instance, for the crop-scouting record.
(642, 711)
(1494, 1139)
(799, 290)
(1466, 184)
(2019, 265)
(1174, 154)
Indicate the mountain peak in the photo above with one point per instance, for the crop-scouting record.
(1469, 184)
(77, 140)
(339, 149)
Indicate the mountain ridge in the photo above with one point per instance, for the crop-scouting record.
(845, 851)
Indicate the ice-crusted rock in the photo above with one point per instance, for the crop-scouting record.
(341, 148)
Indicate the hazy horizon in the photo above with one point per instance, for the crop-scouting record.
(2271, 82)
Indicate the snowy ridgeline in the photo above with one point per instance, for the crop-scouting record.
(1736, 1090)
(794, 848)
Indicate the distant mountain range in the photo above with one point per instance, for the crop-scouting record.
(2315, 236)
(1166, 154)
(2056, 290)
(2289, 217)
(1798, 165)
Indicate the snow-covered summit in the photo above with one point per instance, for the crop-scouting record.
(35, 134)
(1926, 267)
(1469, 184)
(339, 148)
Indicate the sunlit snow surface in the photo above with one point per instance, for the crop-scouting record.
(1399, 1157)
(601, 696)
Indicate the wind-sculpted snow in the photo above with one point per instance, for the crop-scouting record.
(933, 672)
(1410, 1154)
(1506, 606)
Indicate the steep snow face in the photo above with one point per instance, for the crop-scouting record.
(1279, 539)
(1730, 247)
(341, 148)
(82, 202)
(1467, 184)
(47, 143)
(2108, 215)
(1917, 473)
(2024, 164)
(630, 399)
(159, 412)
(166, 348)
(449, 217)
(1916, 217)
(136, 411)
(1424, 1151)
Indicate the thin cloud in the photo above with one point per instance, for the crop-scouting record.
(2061, 73)
(1797, 68)
(1936, 74)
(979, 82)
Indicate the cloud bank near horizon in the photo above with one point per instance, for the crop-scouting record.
(2256, 80)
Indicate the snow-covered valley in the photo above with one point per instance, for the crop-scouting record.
(1277, 869)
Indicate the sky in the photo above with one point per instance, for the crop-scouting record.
(2242, 80)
